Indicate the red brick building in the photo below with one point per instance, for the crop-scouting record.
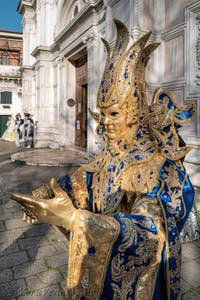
(10, 75)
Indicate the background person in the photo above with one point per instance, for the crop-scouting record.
(10, 133)
(28, 130)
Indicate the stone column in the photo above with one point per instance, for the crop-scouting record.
(93, 52)
(28, 91)
(69, 113)
(158, 27)
(46, 18)
(28, 24)
(28, 78)
(41, 22)
(63, 122)
(136, 18)
(47, 133)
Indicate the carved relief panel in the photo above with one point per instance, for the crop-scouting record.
(192, 47)
(174, 58)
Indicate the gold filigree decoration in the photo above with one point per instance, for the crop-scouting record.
(43, 192)
(112, 183)
(175, 250)
(165, 115)
(79, 188)
(175, 189)
(91, 244)
(149, 248)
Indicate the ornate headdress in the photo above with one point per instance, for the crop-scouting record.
(123, 79)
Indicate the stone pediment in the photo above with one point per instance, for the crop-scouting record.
(72, 13)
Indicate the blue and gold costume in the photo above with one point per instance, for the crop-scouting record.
(129, 247)
(141, 253)
(134, 196)
(126, 208)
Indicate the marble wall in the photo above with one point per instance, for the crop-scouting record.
(54, 33)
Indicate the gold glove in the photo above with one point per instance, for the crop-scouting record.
(43, 192)
(58, 211)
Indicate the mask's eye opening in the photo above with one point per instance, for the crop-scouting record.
(114, 113)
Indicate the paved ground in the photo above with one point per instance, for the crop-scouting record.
(33, 258)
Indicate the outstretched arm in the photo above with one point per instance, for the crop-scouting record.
(57, 211)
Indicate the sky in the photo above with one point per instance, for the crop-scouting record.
(10, 19)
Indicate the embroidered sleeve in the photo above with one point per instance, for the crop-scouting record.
(91, 243)
(136, 255)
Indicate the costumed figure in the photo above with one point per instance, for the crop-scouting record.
(126, 208)
(10, 133)
(19, 127)
(28, 130)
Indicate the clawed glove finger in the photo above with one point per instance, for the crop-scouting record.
(28, 215)
(28, 219)
(58, 191)
(28, 202)
(22, 199)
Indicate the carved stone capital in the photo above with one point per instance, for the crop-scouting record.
(89, 38)
(60, 59)
(29, 13)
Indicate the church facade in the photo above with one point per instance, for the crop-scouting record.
(64, 57)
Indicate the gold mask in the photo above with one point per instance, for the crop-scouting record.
(114, 119)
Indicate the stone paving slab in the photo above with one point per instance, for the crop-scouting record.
(29, 268)
(191, 251)
(11, 289)
(38, 229)
(30, 242)
(6, 248)
(13, 259)
(190, 273)
(6, 275)
(45, 251)
(16, 223)
(41, 280)
(12, 235)
(57, 260)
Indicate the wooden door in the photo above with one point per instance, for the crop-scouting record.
(81, 102)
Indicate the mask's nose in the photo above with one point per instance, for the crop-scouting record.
(106, 121)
